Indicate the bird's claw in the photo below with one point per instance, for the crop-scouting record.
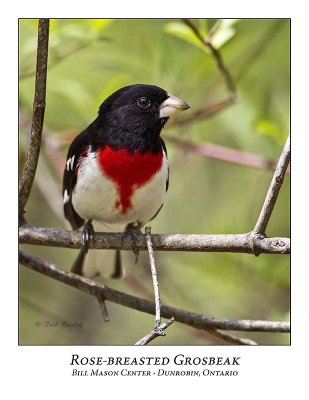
(88, 234)
(131, 232)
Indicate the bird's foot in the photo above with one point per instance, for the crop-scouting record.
(88, 232)
(131, 232)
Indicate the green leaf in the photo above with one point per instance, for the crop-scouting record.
(271, 129)
(228, 23)
(100, 25)
(222, 36)
(182, 31)
(224, 32)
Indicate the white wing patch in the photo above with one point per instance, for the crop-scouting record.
(85, 158)
(66, 197)
(70, 163)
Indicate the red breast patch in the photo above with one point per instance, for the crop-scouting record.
(129, 171)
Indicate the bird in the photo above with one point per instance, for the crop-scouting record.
(116, 173)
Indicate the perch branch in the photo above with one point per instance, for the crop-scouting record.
(273, 191)
(235, 243)
(33, 151)
(250, 242)
(199, 321)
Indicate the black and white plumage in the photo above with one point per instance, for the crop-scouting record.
(116, 174)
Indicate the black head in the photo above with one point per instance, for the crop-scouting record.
(135, 115)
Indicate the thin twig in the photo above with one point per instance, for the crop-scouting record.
(273, 191)
(33, 151)
(207, 112)
(49, 188)
(254, 240)
(246, 59)
(216, 336)
(211, 109)
(249, 56)
(54, 142)
(217, 56)
(154, 276)
(103, 308)
(54, 154)
(158, 331)
(224, 153)
(227, 337)
(234, 243)
(199, 321)
(56, 60)
(211, 334)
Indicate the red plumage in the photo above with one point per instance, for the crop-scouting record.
(128, 170)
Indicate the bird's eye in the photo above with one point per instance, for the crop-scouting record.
(143, 102)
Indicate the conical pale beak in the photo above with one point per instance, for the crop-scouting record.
(172, 105)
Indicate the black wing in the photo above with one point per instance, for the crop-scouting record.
(78, 146)
(167, 180)
(168, 171)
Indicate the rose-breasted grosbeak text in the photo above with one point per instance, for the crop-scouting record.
(116, 174)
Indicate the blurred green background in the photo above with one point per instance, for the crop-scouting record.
(90, 59)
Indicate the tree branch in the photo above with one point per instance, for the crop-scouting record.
(254, 52)
(57, 60)
(274, 188)
(224, 153)
(231, 338)
(209, 334)
(217, 56)
(103, 308)
(211, 109)
(207, 112)
(251, 242)
(199, 321)
(33, 151)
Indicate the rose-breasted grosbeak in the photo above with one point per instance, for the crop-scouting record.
(116, 174)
